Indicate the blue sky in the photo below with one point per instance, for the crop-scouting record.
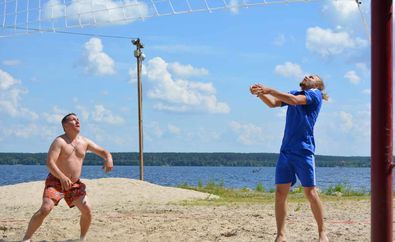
(196, 75)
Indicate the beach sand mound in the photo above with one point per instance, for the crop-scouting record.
(131, 210)
(105, 191)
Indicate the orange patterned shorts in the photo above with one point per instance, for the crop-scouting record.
(53, 190)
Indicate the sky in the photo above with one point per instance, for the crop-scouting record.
(196, 75)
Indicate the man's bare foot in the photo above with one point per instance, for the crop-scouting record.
(280, 238)
(323, 237)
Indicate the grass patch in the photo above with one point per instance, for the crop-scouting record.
(260, 188)
(343, 190)
(259, 195)
(230, 195)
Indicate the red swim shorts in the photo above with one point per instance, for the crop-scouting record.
(53, 190)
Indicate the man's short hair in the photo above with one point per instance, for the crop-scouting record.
(64, 119)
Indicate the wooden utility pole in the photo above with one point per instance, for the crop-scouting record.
(140, 57)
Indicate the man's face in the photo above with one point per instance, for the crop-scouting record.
(72, 124)
(308, 82)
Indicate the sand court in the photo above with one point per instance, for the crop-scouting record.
(132, 210)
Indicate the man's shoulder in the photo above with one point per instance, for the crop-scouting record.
(313, 92)
(58, 142)
(60, 139)
(314, 96)
(295, 92)
(84, 139)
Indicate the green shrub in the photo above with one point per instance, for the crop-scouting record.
(259, 188)
(200, 184)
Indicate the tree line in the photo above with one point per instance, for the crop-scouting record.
(188, 159)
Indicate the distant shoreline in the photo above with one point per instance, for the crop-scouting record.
(189, 159)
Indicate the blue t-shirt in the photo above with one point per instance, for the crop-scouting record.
(299, 126)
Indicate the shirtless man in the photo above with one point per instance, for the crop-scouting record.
(65, 158)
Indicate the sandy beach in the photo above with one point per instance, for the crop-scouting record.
(132, 210)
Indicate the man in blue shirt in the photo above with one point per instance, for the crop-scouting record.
(296, 157)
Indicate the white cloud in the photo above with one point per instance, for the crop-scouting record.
(364, 68)
(96, 12)
(83, 113)
(101, 114)
(27, 131)
(180, 95)
(186, 70)
(289, 69)
(56, 116)
(282, 112)
(352, 77)
(248, 134)
(279, 40)
(133, 73)
(344, 9)
(203, 135)
(346, 132)
(173, 129)
(367, 91)
(11, 92)
(185, 49)
(326, 42)
(346, 121)
(95, 60)
(234, 6)
(6, 80)
(11, 62)
(154, 129)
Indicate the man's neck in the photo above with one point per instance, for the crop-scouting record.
(71, 136)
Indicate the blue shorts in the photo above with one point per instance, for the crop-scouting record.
(290, 165)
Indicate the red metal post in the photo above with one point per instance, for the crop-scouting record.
(382, 144)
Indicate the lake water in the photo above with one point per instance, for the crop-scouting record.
(232, 177)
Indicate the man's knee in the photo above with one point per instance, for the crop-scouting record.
(282, 191)
(86, 211)
(311, 193)
(85, 208)
(45, 208)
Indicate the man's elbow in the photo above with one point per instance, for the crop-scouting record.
(274, 104)
(295, 101)
(106, 154)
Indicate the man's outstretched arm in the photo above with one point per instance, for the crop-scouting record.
(100, 151)
(277, 96)
(288, 98)
(268, 99)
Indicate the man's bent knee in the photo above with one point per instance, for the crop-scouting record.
(311, 193)
(46, 207)
(84, 207)
(86, 211)
(282, 191)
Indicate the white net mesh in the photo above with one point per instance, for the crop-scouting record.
(31, 16)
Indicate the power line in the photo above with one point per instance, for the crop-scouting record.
(364, 22)
(34, 30)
